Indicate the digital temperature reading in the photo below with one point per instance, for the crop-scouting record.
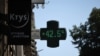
(53, 33)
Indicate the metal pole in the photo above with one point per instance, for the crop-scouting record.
(19, 50)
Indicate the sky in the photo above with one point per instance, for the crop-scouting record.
(68, 13)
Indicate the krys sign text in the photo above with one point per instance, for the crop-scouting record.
(19, 21)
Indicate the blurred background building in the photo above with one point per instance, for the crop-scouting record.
(12, 50)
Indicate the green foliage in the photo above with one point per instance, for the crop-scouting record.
(87, 35)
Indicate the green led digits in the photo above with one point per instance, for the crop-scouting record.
(49, 33)
(53, 33)
(58, 33)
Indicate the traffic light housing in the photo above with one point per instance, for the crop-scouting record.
(53, 33)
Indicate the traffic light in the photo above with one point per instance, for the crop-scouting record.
(53, 33)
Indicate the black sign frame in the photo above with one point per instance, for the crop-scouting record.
(19, 20)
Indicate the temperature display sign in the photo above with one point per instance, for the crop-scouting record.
(53, 33)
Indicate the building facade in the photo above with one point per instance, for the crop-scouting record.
(12, 50)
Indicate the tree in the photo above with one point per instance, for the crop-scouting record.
(87, 35)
